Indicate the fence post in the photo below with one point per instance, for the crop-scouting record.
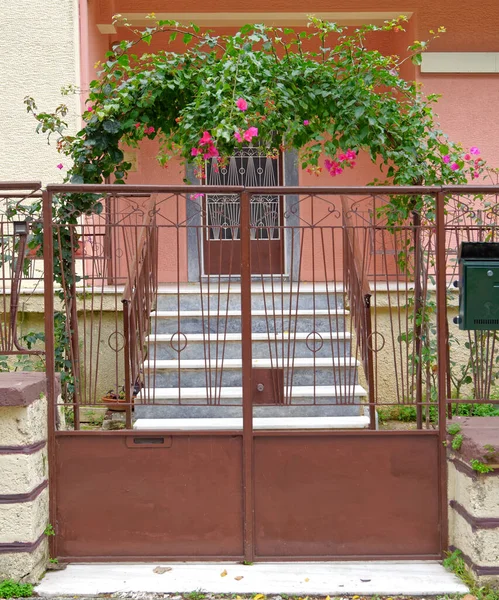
(442, 363)
(48, 297)
(247, 365)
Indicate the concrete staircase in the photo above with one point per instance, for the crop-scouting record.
(197, 373)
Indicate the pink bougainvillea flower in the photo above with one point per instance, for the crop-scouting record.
(467, 157)
(474, 150)
(137, 125)
(196, 196)
(454, 167)
(212, 151)
(238, 136)
(90, 108)
(250, 133)
(194, 152)
(342, 157)
(351, 155)
(306, 122)
(242, 104)
(149, 130)
(60, 166)
(446, 159)
(475, 175)
(205, 139)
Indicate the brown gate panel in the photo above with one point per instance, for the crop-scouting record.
(126, 496)
(346, 494)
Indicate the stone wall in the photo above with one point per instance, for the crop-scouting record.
(24, 497)
(474, 498)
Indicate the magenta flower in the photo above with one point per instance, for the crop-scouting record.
(137, 125)
(242, 104)
(454, 167)
(196, 196)
(351, 155)
(60, 166)
(206, 139)
(149, 130)
(90, 108)
(238, 136)
(306, 122)
(467, 157)
(474, 150)
(446, 159)
(250, 133)
(194, 152)
(475, 175)
(342, 157)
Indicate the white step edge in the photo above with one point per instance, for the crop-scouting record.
(258, 363)
(270, 313)
(259, 424)
(256, 337)
(323, 391)
(256, 288)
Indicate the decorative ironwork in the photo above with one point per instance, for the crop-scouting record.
(249, 167)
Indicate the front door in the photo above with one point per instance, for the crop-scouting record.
(250, 167)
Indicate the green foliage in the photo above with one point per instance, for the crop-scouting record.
(457, 442)
(407, 414)
(11, 589)
(49, 530)
(453, 428)
(196, 595)
(480, 467)
(321, 91)
(454, 562)
(476, 410)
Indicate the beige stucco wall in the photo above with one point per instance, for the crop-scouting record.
(39, 53)
(22, 473)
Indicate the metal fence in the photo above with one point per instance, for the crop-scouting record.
(337, 311)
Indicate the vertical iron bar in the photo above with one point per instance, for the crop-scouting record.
(247, 365)
(48, 299)
(418, 302)
(370, 363)
(442, 365)
(128, 359)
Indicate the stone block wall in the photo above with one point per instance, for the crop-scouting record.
(24, 500)
(474, 498)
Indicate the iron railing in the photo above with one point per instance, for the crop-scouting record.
(139, 299)
(351, 304)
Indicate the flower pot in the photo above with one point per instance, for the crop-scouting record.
(117, 404)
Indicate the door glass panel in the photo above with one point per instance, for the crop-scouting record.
(249, 167)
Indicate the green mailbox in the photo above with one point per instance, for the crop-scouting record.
(478, 285)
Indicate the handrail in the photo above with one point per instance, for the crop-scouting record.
(138, 299)
(359, 296)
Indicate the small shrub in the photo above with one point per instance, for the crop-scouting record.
(457, 442)
(407, 414)
(453, 428)
(479, 466)
(11, 589)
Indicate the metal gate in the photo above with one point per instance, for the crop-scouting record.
(202, 467)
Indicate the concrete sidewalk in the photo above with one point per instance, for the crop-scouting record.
(303, 579)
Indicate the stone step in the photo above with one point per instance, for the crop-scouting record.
(200, 372)
(197, 321)
(223, 297)
(259, 424)
(307, 395)
(265, 345)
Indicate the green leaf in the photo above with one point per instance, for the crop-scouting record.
(111, 126)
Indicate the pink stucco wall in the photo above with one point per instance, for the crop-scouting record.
(467, 110)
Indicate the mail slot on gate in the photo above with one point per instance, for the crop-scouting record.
(478, 285)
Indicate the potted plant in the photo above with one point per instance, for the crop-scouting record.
(115, 399)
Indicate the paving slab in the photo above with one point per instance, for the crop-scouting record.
(394, 578)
